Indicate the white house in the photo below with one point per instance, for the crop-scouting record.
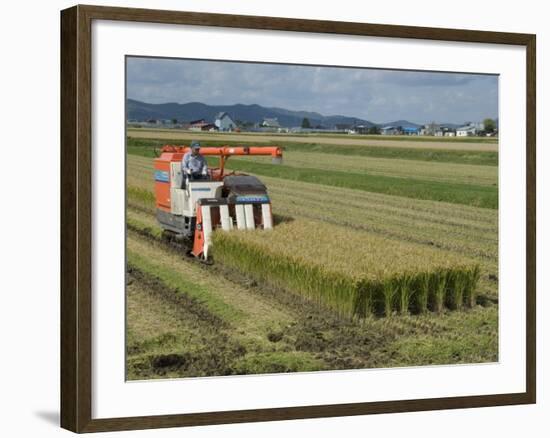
(224, 122)
(466, 131)
(470, 129)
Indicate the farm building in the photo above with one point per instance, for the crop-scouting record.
(445, 131)
(197, 123)
(470, 129)
(270, 123)
(429, 129)
(360, 129)
(466, 131)
(224, 122)
(202, 125)
(342, 127)
(411, 130)
(389, 130)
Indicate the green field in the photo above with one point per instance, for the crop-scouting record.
(146, 147)
(186, 319)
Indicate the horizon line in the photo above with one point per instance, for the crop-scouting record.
(306, 111)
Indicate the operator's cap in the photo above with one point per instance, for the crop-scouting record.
(195, 144)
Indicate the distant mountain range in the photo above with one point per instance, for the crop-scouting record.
(187, 112)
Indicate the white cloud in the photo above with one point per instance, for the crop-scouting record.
(377, 95)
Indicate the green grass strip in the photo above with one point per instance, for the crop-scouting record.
(145, 147)
(486, 158)
(177, 281)
(456, 193)
(140, 197)
(136, 225)
(277, 362)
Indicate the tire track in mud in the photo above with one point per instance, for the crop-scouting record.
(192, 342)
(251, 322)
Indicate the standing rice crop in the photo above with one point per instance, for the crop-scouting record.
(355, 273)
(406, 292)
(456, 282)
(438, 286)
(472, 279)
(422, 293)
(390, 290)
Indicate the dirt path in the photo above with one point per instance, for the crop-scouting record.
(319, 139)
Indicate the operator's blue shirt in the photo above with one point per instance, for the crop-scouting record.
(195, 163)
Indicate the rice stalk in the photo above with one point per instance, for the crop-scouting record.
(438, 286)
(390, 289)
(364, 302)
(456, 282)
(422, 286)
(472, 278)
(405, 292)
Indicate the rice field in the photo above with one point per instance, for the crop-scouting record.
(443, 172)
(356, 273)
(409, 270)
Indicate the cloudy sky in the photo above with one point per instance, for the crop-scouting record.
(371, 94)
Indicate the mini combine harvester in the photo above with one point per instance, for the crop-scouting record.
(190, 210)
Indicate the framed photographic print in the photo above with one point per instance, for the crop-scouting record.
(268, 218)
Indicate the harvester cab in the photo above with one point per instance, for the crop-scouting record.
(189, 210)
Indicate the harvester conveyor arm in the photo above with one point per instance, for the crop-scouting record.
(227, 151)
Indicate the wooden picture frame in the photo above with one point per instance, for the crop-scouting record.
(76, 217)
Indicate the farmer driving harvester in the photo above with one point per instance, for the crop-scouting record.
(190, 211)
(193, 164)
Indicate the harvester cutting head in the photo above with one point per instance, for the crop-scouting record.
(191, 210)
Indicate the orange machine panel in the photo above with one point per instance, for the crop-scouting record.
(162, 181)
